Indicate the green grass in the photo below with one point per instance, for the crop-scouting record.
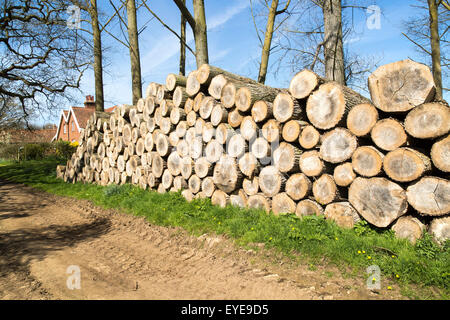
(423, 265)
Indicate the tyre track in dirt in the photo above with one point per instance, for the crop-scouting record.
(121, 256)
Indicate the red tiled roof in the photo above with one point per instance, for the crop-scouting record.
(110, 109)
(82, 115)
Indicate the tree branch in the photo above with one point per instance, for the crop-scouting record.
(421, 47)
(185, 12)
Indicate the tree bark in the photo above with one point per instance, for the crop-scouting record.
(98, 67)
(135, 58)
(435, 46)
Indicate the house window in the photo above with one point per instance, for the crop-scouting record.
(73, 126)
(65, 128)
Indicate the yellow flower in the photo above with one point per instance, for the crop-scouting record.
(393, 256)
(397, 276)
(336, 238)
(219, 222)
(363, 251)
(369, 257)
(359, 251)
(270, 238)
(389, 288)
(251, 228)
(293, 228)
(374, 279)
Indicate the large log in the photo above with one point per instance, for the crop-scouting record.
(429, 120)
(208, 186)
(207, 72)
(440, 229)
(248, 95)
(304, 83)
(342, 213)
(367, 161)
(259, 201)
(227, 176)
(286, 157)
(311, 164)
(430, 196)
(250, 186)
(174, 80)
(216, 86)
(298, 186)
(249, 165)
(343, 174)
(405, 164)
(309, 137)
(328, 106)
(271, 181)
(408, 227)
(401, 86)
(308, 207)
(249, 129)
(282, 203)
(220, 198)
(325, 190)
(378, 200)
(262, 111)
(440, 154)
(338, 145)
(286, 108)
(237, 146)
(389, 134)
(361, 119)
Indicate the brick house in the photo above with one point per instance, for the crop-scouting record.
(74, 120)
(28, 136)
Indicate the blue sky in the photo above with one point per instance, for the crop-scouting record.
(232, 45)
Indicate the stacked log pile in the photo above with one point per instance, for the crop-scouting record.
(316, 148)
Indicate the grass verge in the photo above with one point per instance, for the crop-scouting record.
(425, 265)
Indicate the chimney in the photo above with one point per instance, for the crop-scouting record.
(89, 103)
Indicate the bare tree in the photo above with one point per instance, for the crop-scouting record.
(183, 43)
(428, 32)
(134, 51)
(41, 59)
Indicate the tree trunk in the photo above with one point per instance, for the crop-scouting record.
(267, 42)
(200, 33)
(430, 196)
(271, 130)
(237, 146)
(249, 128)
(182, 43)
(173, 163)
(239, 199)
(180, 96)
(134, 51)
(167, 179)
(98, 68)
(194, 183)
(333, 41)
(435, 46)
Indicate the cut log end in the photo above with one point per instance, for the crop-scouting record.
(430, 196)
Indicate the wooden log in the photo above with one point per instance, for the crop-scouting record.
(125, 110)
(181, 129)
(285, 107)
(308, 207)
(367, 161)
(208, 186)
(429, 120)
(309, 137)
(249, 129)
(157, 116)
(112, 123)
(182, 148)
(101, 150)
(286, 157)
(198, 101)
(388, 134)
(249, 94)
(203, 167)
(235, 118)
(208, 132)
(173, 139)
(152, 89)
(378, 200)
(343, 174)
(304, 83)
(213, 151)
(162, 145)
(180, 96)
(140, 105)
(220, 198)
(143, 130)
(259, 201)
(173, 163)
(218, 115)
(237, 146)
(191, 134)
(224, 132)
(228, 97)
(440, 229)
(408, 227)
(192, 84)
(249, 165)
(251, 186)
(338, 145)
(207, 72)
(311, 164)
(239, 199)
(361, 119)
(271, 181)
(216, 86)
(186, 166)
(140, 147)
(325, 190)
(440, 154)
(196, 148)
(298, 186)
(328, 106)
(199, 124)
(158, 165)
(166, 107)
(343, 214)
(151, 125)
(260, 148)
(227, 177)
(401, 86)
(175, 80)
(194, 183)
(162, 94)
(189, 105)
(430, 196)
(291, 130)
(135, 134)
(177, 115)
(179, 183)
(148, 142)
(405, 164)
(271, 130)
(127, 134)
(187, 194)
(282, 203)
(262, 111)
(191, 117)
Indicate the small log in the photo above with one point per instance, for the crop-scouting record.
(271, 130)
(259, 201)
(162, 94)
(127, 134)
(175, 80)
(309, 137)
(140, 147)
(186, 167)
(367, 161)
(260, 148)
(192, 84)
(208, 132)
(194, 183)
(344, 175)
(213, 151)
(338, 145)
(203, 167)
(440, 229)
(167, 179)
(177, 115)
(199, 124)
(216, 86)
(135, 134)
(228, 97)
(148, 142)
(311, 164)
(181, 129)
(298, 186)
(361, 119)
(286, 157)
(343, 214)
(251, 186)
(249, 165)
(430, 196)
(196, 148)
(325, 190)
(207, 72)
(173, 163)
(158, 116)
(440, 154)
(378, 200)
(220, 198)
(271, 181)
(143, 130)
(224, 132)
(235, 118)
(183, 148)
(304, 83)
(227, 177)
(149, 107)
(239, 199)
(198, 101)
(152, 89)
(158, 165)
(249, 128)
(401, 86)
(292, 129)
(206, 107)
(282, 203)
(151, 125)
(248, 95)
(408, 227)
(262, 111)
(162, 144)
(218, 115)
(187, 194)
(388, 134)
(328, 107)
(189, 105)
(285, 107)
(428, 121)
(191, 117)
(405, 164)
(173, 139)
(208, 186)
(237, 146)
(308, 207)
(179, 183)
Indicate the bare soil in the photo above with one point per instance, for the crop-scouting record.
(124, 257)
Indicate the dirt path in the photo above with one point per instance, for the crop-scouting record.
(124, 257)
